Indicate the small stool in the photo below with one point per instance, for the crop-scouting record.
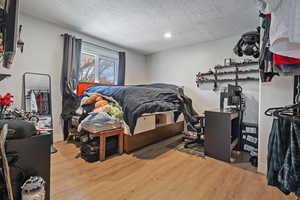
(102, 137)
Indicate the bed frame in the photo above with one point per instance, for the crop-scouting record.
(135, 142)
(152, 128)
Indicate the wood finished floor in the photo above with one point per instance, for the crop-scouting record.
(153, 173)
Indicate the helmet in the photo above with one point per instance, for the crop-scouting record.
(248, 45)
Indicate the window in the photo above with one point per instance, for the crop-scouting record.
(87, 67)
(98, 65)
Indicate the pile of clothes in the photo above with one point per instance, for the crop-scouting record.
(99, 114)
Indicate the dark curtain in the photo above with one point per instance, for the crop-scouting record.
(121, 72)
(71, 63)
(69, 79)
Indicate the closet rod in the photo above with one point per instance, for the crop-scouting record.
(96, 45)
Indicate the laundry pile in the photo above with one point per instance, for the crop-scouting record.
(99, 114)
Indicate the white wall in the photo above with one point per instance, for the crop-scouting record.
(180, 66)
(277, 93)
(43, 54)
(136, 69)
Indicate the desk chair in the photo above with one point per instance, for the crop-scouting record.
(4, 161)
(194, 122)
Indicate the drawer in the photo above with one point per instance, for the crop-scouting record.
(145, 123)
(164, 119)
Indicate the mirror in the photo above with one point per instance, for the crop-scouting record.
(37, 100)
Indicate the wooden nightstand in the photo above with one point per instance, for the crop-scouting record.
(102, 137)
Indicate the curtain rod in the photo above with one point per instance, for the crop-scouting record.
(97, 45)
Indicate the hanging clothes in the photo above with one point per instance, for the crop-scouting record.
(41, 100)
(285, 27)
(46, 103)
(285, 60)
(286, 66)
(283, 155)
(39, 103)
(266, 56)
(33, 104)
(280, 38)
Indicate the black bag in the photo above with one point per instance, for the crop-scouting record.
(90, 156)
(111, 145)
(89, 151)
(87, 148)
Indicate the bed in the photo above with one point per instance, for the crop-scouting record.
(151, 112)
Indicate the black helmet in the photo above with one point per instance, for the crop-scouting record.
(248, 45)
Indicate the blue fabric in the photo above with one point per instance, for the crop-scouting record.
(106, 90)
(110, 90)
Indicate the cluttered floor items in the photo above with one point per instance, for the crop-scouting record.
(104, 144)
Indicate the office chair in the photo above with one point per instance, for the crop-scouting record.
(194, 122)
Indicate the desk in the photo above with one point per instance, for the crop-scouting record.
(33, 158)
(222, 133)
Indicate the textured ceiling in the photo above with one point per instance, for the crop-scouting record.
(140, 24)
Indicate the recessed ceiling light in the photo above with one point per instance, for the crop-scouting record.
(167, 35)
